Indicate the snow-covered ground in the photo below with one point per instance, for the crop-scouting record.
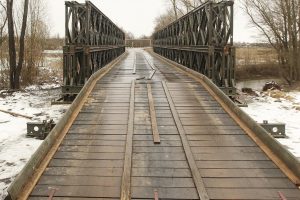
(15, 147)
(278, 107)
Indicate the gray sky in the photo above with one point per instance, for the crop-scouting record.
(137, 16)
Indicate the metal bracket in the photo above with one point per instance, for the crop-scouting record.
(40, 130)
(229, 91)
(277, 130)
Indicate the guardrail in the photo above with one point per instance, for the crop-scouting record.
(202, 40)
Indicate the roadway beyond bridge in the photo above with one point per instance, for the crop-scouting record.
(142, 135)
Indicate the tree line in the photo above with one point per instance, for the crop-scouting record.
(23, 36)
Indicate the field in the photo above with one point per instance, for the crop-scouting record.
(256, 63)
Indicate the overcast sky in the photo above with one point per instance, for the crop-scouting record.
(137, 16)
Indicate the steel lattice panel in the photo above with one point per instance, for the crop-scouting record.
(92, 41)
(202, 40)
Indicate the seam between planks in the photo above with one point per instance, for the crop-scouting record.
(187, 149)
(155, 133)
(126, 177)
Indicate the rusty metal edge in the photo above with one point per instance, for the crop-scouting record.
(285, 160)
(26, 174)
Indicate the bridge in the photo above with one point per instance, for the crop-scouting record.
(155, 123)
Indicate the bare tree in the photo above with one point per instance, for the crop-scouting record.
(36, 35)
(191, 4)
(15, 69)
(278, 21)
(175, 8)
(163, 20)
(3, 20)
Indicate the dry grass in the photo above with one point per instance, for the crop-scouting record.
(256, 62)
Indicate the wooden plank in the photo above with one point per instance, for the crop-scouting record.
(101, 116)
(134, 64)
(245, 193)
(155, 133)
(242, 182)
(126, 176)
(70, 198)
(163, 143)
(100, 122)
(88, 156)
(159, 164)
(161, 172)
(165, 193)
(86, 163)
(158, 182)
(80, 181)
(78, 191)
(90, 128)
(208, 121)
(236, 164)
(158, 149)
(238, 173)
(214, 150)
(141, 137)
(93, 143)
(230, 156)
(92, 149)
(75, 171)
(159, 156)
(192, 163)
(95, 137)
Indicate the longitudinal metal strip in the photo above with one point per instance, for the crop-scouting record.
(126, 177)
(134, 64)
(155, 133)
(187, 149)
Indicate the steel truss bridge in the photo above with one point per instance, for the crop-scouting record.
(155, 124)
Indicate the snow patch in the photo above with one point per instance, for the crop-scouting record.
(15, 147)
(279, 107)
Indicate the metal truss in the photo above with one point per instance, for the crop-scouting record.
(202, 40)
(92, 40)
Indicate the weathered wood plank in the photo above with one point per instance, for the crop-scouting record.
(89, 156)
(242, 173)
(80, 181)
(165, 193)
(159, 164)
(161, 172)
(157, 182)
(74, 171)
(95, 137)
(194, 170)
(245, 193)
(159, 156)
(279, 183)
(93, 143)
(87, 163)
(126, 175)
(236, 164)
(155, 133)
(92, 149)
(158, 149)
(78, 191)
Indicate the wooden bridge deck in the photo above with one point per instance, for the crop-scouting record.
(110, 151)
